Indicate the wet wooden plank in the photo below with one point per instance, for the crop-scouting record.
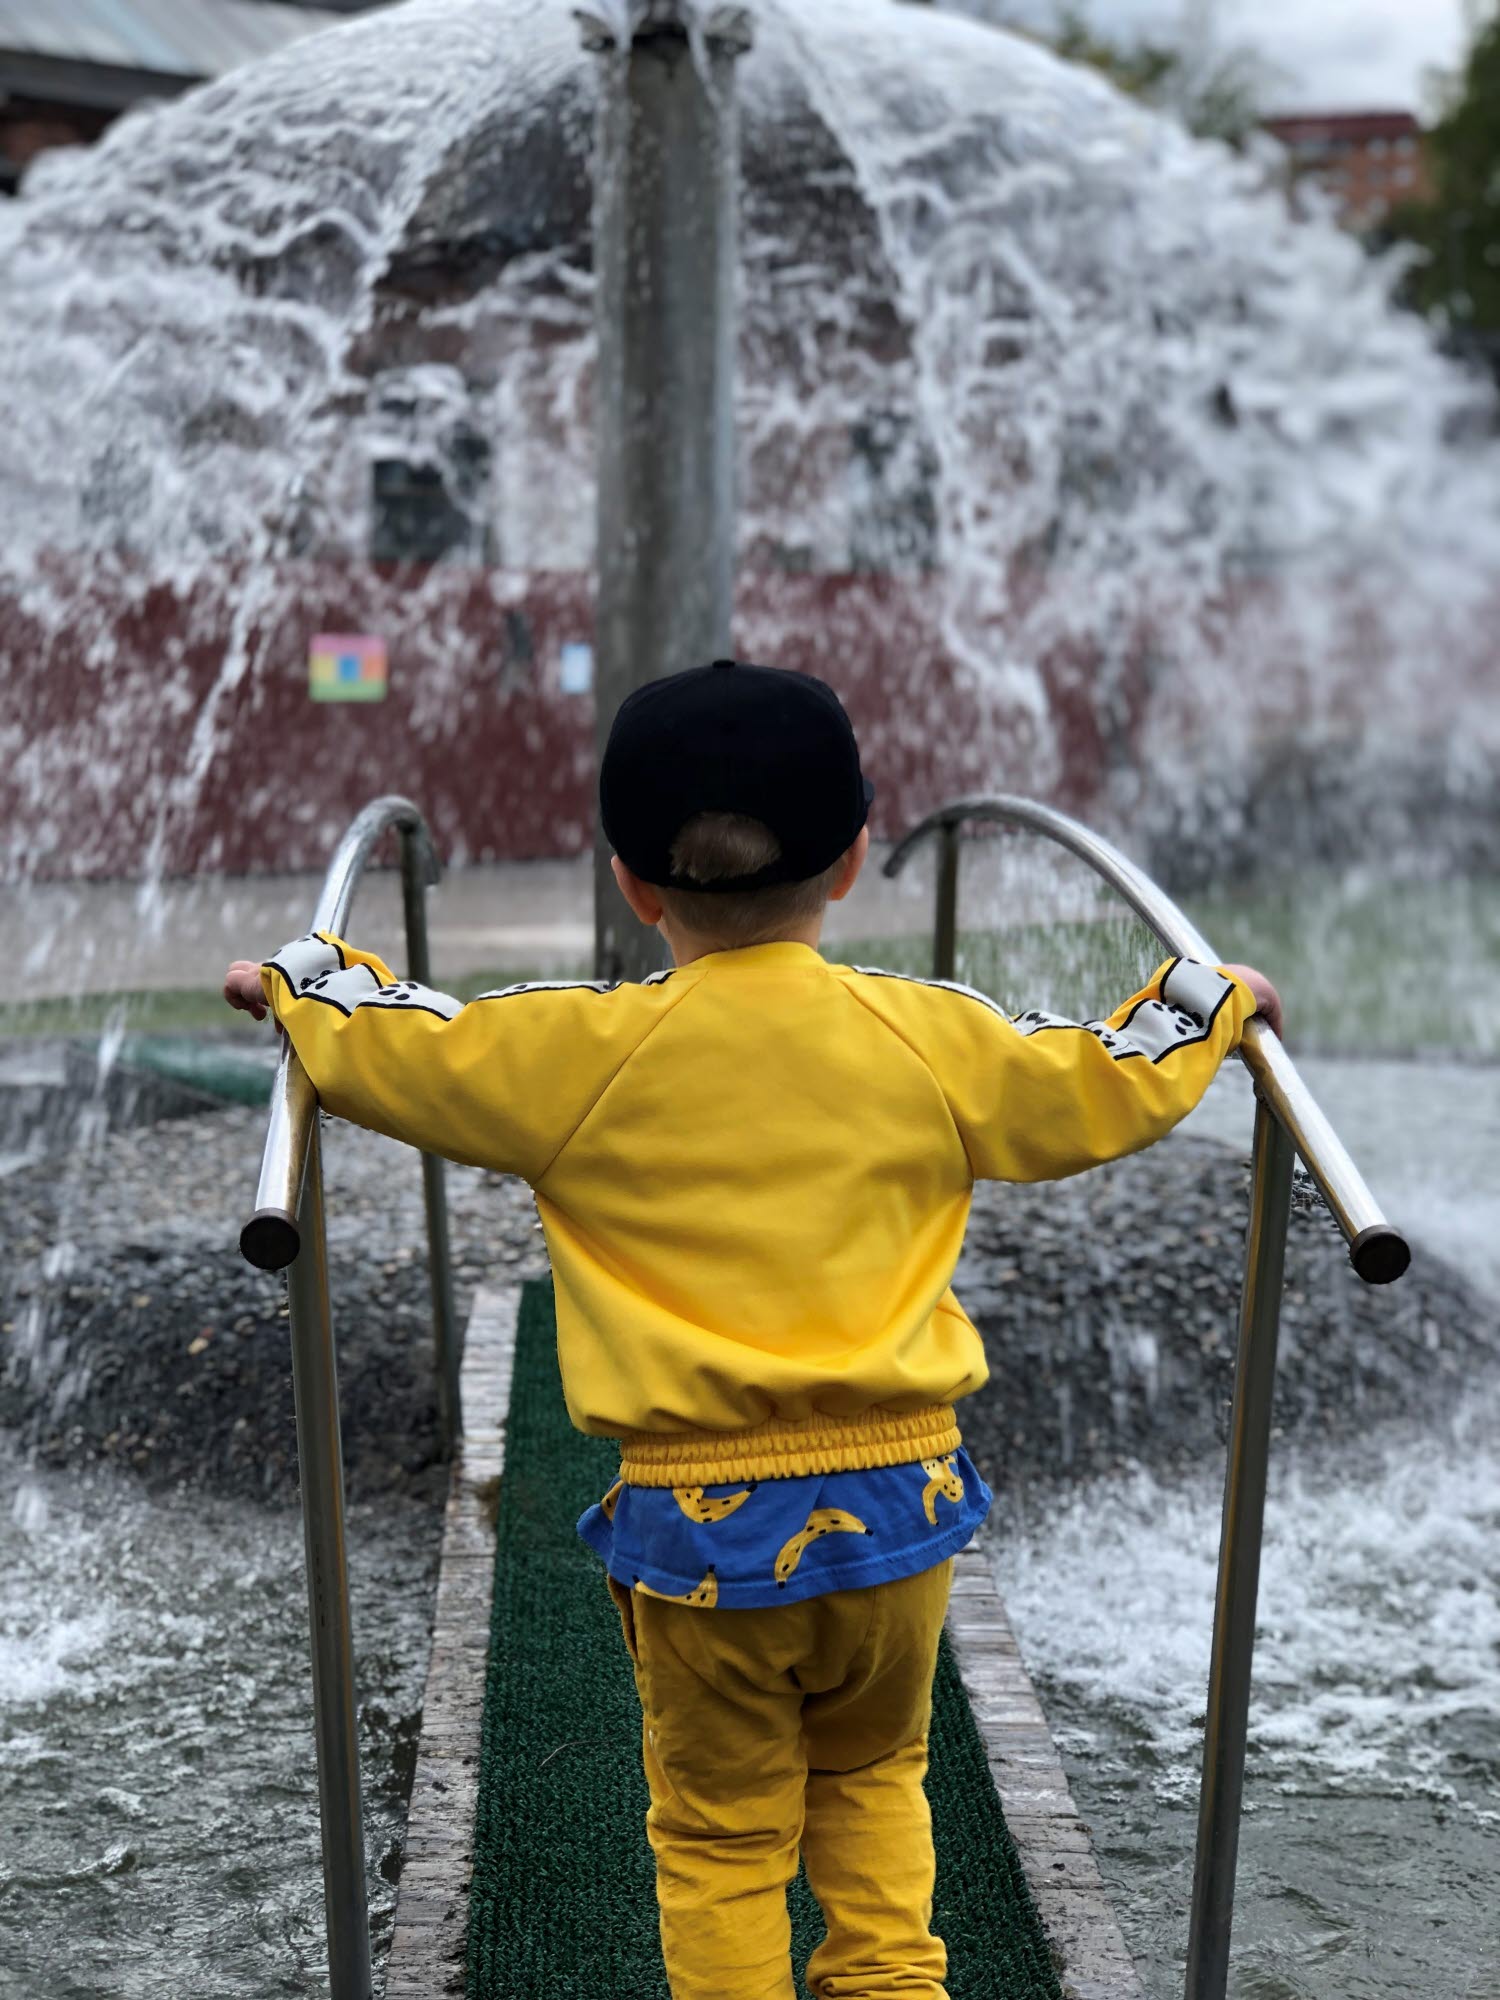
(427, 1946)
(1052, 1839)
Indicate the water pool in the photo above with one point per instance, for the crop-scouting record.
(156, 1751)
(1371, 1840)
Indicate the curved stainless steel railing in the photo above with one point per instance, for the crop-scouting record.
(1287, 1122)
(286, 1232)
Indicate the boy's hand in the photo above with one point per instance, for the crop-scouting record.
(242, 987)
(1267, 999)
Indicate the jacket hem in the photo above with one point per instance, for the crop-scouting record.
(784, 1448)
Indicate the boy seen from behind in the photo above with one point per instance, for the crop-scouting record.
(754, 1172)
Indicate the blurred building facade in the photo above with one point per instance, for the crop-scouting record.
(70, 67)
(1369, 162)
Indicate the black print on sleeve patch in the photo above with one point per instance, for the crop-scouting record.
(407, 997)
(1192, 995)
(305, 960)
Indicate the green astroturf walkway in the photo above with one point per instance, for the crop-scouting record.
(563, 1905)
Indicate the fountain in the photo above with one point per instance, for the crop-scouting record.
(1058, 439)
(1062, 452)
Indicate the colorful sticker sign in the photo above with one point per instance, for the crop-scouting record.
(346, 666)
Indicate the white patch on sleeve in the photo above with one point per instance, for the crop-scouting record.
(315, 971)
(1035, 1019)
(552, 986)
(1154, 1028)
(1192, 995)
(303, 960)
(1199, 990)
(344, 989)
(407, 997)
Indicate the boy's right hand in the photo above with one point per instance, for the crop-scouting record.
(243, 990)
(1267, 999)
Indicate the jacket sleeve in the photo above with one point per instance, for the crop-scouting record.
(1039, 1097)
(500, 1082)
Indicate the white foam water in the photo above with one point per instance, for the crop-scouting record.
(156, 1758)
(1379, 1623)
(1006, 335)
(1372, 1803)
(1372, 1806)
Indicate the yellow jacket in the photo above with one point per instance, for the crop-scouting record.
(754, 1172)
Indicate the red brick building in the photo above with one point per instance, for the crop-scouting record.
(1369, 161)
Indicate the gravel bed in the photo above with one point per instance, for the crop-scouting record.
(1109, 1309)
(134, 1332)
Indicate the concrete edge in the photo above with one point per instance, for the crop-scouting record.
(1093, 1962)
(432, 1903)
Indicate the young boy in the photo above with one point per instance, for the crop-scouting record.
(754, 1173)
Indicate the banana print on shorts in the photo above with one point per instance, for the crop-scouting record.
(690, 1499)
(821, 1521)
(705, 1594)
(941, 1478)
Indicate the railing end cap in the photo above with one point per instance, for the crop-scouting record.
(1380, 1254)
(270, 1240)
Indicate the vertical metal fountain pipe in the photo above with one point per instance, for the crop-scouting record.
(666, 178)
(1227, 1722)
(419, 870)
(320, 1465)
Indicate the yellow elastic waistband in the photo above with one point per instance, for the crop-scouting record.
(785, 1448)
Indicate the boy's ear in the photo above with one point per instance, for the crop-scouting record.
(850, 866)
(641, 897)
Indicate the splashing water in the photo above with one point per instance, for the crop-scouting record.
(1373, 1791)
(1069, 456)
(1061, 442)
(156, 1756)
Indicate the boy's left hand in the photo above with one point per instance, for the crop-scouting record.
(1267, 999)
(243, 990)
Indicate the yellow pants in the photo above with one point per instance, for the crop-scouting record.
(803, 1725)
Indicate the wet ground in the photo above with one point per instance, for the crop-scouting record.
(1371, 1838)
(157, 1780)
(155, 1747)
(157, 1774)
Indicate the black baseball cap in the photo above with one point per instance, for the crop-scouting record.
(734, 738)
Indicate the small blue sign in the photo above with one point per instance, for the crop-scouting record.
(576, 667)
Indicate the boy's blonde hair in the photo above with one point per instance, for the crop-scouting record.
(715, 847)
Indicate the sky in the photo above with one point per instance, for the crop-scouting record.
(1330, 55)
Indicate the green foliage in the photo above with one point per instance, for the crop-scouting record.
(1218, 93)
(1457, 278)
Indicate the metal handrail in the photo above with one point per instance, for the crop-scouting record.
(1287, 1122)
(286, 1232)
(1378, 1252)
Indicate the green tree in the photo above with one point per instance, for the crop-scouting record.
(1218, 92)
(1457, 278)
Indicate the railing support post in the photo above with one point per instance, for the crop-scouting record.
(418, 869)
(945, 921)
(321, 1465)
(1239, 1562)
